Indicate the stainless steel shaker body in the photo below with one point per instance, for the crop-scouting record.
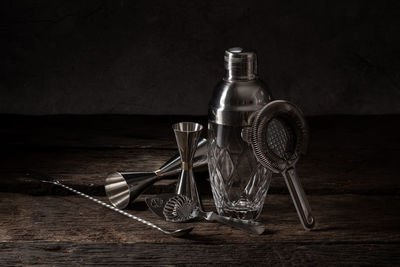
(239, 183)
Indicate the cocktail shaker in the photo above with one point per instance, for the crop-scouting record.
(239, 182)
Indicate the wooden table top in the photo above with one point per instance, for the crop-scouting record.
(349, 174)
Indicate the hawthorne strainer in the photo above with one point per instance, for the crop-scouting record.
(278, 134)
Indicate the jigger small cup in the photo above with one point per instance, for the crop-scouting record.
(187, 135)
(123, 187)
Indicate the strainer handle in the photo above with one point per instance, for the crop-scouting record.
(299, 198)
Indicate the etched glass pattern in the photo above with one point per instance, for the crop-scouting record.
(239, 183)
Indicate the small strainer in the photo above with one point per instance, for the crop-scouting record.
(180, 208)
(278, 134)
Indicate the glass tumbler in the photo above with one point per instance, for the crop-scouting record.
(239, 183)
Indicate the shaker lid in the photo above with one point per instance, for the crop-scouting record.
(240, 64)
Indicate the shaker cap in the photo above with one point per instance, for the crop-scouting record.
(240, 64)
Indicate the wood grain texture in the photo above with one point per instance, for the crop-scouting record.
(117, 254)
(340, 218)
(349, 175)
(322, 171)
(350, 155)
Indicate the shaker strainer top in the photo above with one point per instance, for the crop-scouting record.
(278, 134)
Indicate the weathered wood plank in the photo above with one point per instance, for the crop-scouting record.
(355, 155)
(349, 175)
(322, 172)
(340, 218)
(273, 254)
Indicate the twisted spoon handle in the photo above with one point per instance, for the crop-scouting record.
(107, 205)
(245, 225)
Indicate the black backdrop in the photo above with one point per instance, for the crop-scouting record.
(164, 57)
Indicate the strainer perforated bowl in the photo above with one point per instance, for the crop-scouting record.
(278, 134)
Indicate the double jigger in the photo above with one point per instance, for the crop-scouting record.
(187, 135)
(122, 188)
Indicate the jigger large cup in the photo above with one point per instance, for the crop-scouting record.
(187, 135)
(124, 187)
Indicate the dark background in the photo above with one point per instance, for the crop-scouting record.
(164, 57)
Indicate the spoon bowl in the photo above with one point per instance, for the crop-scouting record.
(180, 232)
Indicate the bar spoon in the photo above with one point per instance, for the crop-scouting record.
(47, 179)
